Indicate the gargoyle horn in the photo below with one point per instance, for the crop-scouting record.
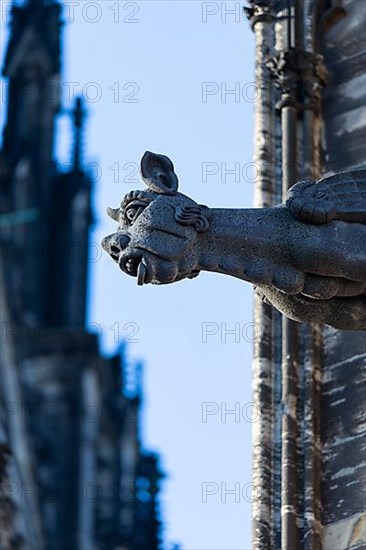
(113, 213)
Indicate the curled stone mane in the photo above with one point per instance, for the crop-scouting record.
(144, 196)
(193, 215)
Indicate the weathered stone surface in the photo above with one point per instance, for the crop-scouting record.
(308, 257)
(330, 428)
(344, 364)
(346, 535)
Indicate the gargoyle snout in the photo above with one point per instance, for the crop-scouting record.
(114, 244)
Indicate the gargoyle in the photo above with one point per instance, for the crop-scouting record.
(306, 257)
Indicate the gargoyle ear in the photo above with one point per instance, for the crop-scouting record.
(157, 171)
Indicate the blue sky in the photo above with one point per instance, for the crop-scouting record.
(157, 76)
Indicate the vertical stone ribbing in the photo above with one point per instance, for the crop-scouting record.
(299, 75)
(322, 377)
(290, 364)
(284, 68)
(312, 463)
(18, 437)
(262, 23)
(313, 80)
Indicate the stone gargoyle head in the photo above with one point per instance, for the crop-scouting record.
(157, 227)
(306, 257)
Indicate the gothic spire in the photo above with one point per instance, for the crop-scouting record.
(35, 31)
(79, 115)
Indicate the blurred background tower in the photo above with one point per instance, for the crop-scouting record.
(310, 383)
(73, 470)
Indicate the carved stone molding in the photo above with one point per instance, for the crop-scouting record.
(314, 77)
(300, 76)
(284, 68)
(258, 11)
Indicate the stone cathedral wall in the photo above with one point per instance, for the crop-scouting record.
(344, 364)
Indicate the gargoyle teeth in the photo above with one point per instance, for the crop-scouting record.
(130, 266)
(141, 273)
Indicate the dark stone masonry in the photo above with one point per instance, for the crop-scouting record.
(71, 459)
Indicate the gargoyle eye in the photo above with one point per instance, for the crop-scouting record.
(133, 210)
(131, 213)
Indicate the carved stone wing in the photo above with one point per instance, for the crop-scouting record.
(338, 197)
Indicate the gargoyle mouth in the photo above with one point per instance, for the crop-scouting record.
(134, 266)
